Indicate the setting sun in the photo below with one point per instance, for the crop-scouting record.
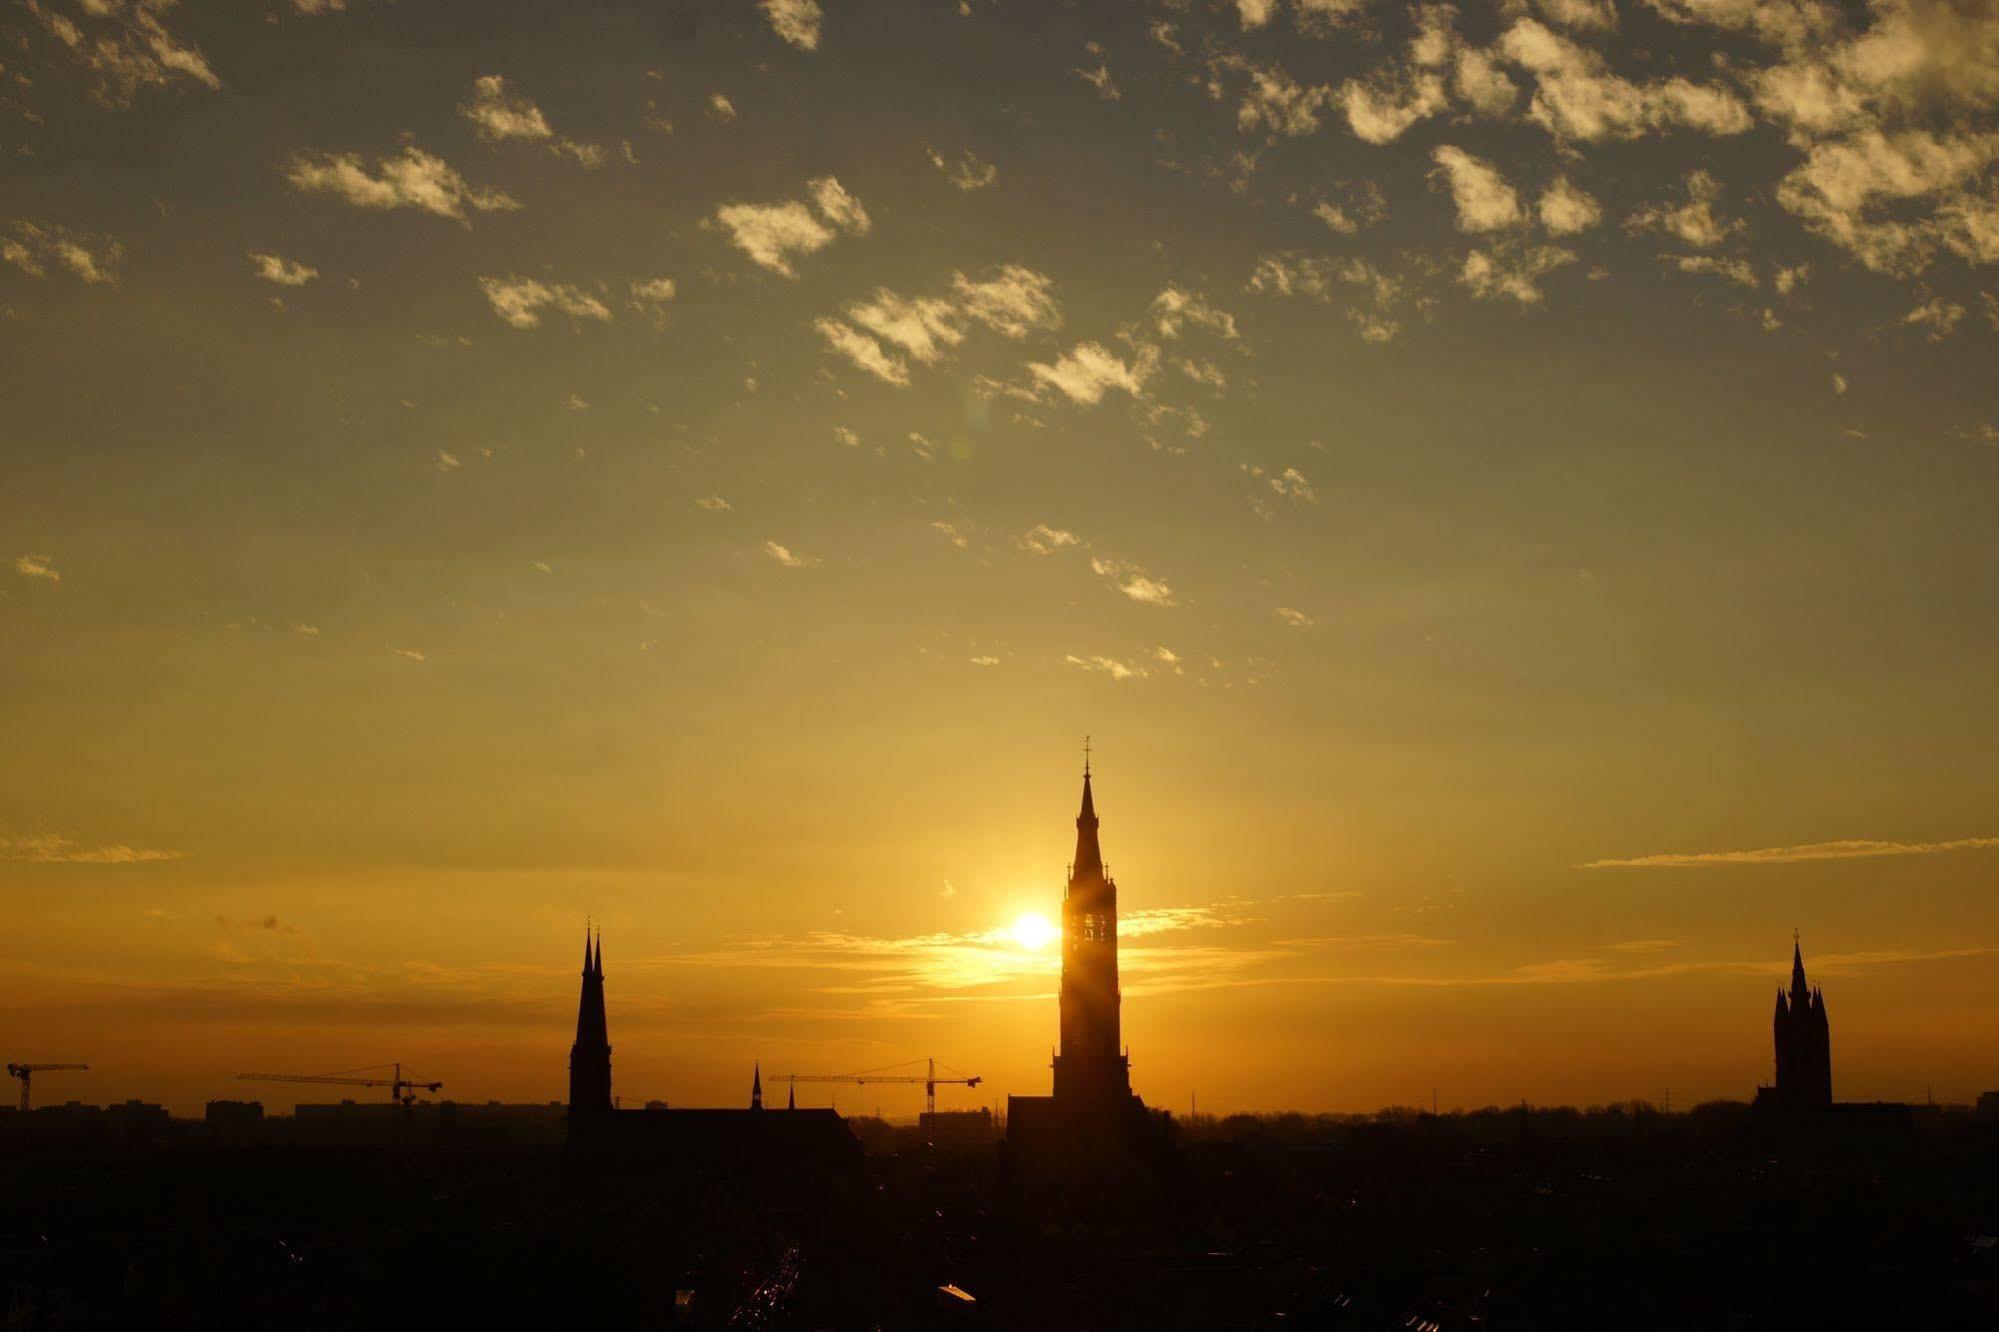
(1033, 932)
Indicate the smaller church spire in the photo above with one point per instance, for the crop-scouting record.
(757, 1087)
(1800, 992)
(791, 1098)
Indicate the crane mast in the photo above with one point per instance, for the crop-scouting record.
(26, 1073)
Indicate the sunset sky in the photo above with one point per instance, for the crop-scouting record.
(1510, 491)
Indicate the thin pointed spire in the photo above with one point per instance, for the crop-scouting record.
(1799, 990)
(1089, 861)
(757, 1087)
(600, 952)
(791, 1098)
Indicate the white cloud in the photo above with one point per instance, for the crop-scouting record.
(1291, 484)
(1110, 666)
(1936, 316)
(783, 555)
(721, 109)
(967, 172)
(713, 504)
(1134, 582)
(1838, 384)
(500, 113)
(35, 248)
(410, 654)
(519, 302)
(1478, 80)
(1297, 619)
(412, 178)
(1100, 79)
(55, 849)
(1844, 188)
(650, 297)
(1013, 300)
(1087, 371)
(1694, 221)
(37, 566)
(924, 328)
(445, 461)
(1738, 271)
(1484, 200)
(797, 21)
(1511, 272)
(1565, 210)
(276, 268)
(1045, 540)
(1577, 97)
(1853, 849)
(771, 234)
(863, 351)
(951, 533)
(120, 46)
(1172, 310)
(846, 437)
(1587, 15)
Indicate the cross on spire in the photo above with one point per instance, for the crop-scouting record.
(1086, 755)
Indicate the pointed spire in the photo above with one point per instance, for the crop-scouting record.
(600, 952)
(1089, 859)
(757, 1087)
(586, 948)
(791, 1098)
(1800, 992)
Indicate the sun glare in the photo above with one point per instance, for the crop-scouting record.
(1033, 932)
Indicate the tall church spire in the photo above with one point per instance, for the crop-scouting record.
(590, 1056)
(1091, 1065)
(1089, 859)
(757, 1087)
(1799, 990)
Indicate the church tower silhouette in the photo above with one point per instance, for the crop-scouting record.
(590, 1056)
(1092, 1065)
(1803, 1040)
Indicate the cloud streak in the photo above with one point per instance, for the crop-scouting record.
(1850, 849)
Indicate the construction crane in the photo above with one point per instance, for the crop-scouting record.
(26, 1073)
(928, 1078)
(402, 1090)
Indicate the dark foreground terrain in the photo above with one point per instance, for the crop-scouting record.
(1506, 1219)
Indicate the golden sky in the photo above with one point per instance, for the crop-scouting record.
(1510, 489)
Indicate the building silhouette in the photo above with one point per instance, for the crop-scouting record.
(1094, 1126)
(1803, 1041)
(689, 1150)
(590, 1056)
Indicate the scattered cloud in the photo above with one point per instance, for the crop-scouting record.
(1485, 202)
(713, 504)
(120, 46)
(797, 21)
(650, 297)
(951, 533)
(1045, 540)
(965, 171)
(1937, 317)
(1110, 666)
(519, 302)
(1511, 273)
(54, 849)
(1576, 97)
(37, 566)
(500, 113)
(412, 178)
(1565, 210)
(1087, 371)
(1134, 582)
(773, 234)
(1694, 221)
(1297, 619)
(34, 249)
(1854, 849)
(784, 556)
(410, 654)
(1173, 310)
(284, 272)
